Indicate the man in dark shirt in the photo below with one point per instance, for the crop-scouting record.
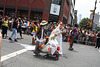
(14, 29)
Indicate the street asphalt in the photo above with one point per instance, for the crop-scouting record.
(81, 56)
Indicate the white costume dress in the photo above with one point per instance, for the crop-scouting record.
(57, 31)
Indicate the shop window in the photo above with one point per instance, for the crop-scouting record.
(58, 2)
(22, 13)
(9, 11)
(53, 18)
(36, 16)
(1, 11)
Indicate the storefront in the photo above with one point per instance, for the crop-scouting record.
(22, 12)
(49, 10)
(10, 10)
(53, 18)
(55, 11)
(36, 14)
(1, 10)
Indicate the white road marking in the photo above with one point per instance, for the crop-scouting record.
(8, 56)
(11, 55)
(99, 50)
(28, 47)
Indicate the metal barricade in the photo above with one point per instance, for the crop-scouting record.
(87, 39)
(93, 40)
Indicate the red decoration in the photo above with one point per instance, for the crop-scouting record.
(4, 17)
(88, 24)
(57, 24)
(68, 39)
(58, 48)
(90, 19)
(49, 50)
(61, 23)
(41, 46)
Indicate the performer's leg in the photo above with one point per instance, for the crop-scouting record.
(37, 51)
(60, 44)
(71, 43)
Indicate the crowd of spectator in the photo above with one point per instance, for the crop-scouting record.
(84, 36)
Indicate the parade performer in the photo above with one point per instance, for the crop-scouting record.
(14, 30)
(58, 32)
(34, 32)
(55, 41)
(39, 36)
(4, 26)
(74, 34)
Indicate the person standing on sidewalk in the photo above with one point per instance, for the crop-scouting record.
(74, 34)
(14, 29)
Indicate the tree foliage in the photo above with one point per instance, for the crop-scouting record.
(97, 28)
(84, 22)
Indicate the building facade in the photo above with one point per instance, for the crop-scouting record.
(79, 18)
(71, 16)
(50, 10)
(96, 19)
(75, 15)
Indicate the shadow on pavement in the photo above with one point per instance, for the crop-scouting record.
(11, 41)
(19, 38)
(73, 51)
(42, 57)
(64, 55)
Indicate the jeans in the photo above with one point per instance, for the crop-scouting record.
(14, 31)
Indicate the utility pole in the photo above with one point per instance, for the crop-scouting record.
(94, 14)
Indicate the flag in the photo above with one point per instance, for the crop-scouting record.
(68, 39)
(18, 22)
(28, 23)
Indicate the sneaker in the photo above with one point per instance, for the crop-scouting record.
(4, 37)
(36, 54)
(15, 40)
(10, 39)
(71, 49)
(22, 38)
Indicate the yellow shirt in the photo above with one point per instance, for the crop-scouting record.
(5, 23)
(35, 29)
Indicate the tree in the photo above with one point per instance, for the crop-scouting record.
(97, 28)
(84, 22)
